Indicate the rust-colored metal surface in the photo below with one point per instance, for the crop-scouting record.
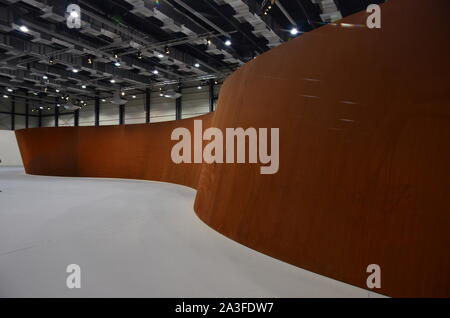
(125, 151)
(364, 118)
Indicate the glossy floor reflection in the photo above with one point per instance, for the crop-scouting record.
(131, 239)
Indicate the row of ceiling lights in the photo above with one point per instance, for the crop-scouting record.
(82, 103)
(117, 63)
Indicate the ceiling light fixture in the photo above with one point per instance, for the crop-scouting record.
(197, 65)
(75, 70)
(24, 29)
(113, 81)
(45, 77)
(5, 96)
(227, 42)
(117, 64)
(160, 55)
(155, 72)
(294, 31)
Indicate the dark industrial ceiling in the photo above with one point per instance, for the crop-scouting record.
(130, 45)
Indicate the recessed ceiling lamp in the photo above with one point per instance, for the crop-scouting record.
(123, 93)
(24, 28)
(75, 70)
(83, 86)
(5, 96)
(104, 100)
(155, 72)
(113, 81)
(197, 65)
(45, 77)
(57, 90)
(294, 31)
(227, 42)
(199, 87)
(9, 90)
(134, 96)
(160, 55)
(117, 64)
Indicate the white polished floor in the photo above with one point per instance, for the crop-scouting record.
(131, 239)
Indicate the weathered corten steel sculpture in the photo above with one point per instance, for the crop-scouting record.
(364, 178)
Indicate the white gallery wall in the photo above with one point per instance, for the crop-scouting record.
(9, 150)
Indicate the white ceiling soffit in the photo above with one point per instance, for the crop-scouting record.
(330, 11)
(170, 25)
(260, 28)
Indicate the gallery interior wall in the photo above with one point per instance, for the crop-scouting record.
(364, 122)
(9, 149)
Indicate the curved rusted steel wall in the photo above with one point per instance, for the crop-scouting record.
(127, 151)
(364, 118)
(364, 177)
